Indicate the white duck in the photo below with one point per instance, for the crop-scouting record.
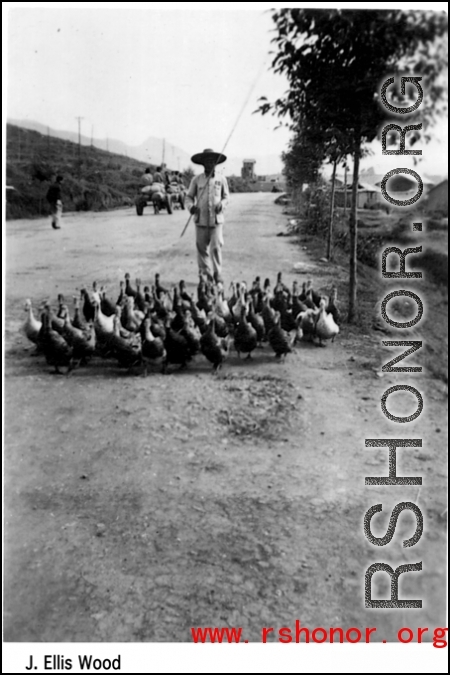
(326, 327)
(240, 304)
(102, 324)
(221, 306)
(131, 317)
(96, 294)
(32, 326)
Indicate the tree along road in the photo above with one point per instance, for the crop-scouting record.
(138, 507)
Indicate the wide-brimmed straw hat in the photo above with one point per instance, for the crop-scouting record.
(200, 157)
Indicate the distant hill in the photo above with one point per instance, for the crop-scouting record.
(175, 158)
(94, 180)
(150, 150)
(374, 175)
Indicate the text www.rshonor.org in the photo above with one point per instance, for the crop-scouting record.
(319, 635)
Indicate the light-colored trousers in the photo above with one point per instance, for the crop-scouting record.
(56, 213)
(209, 249)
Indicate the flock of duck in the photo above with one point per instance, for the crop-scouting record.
(155, 327)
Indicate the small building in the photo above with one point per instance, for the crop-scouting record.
(248, 169)
(368, 195)
(400, 187)
(438, 198)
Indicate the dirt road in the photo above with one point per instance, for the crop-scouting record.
(137, 507)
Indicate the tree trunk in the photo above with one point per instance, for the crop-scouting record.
(353, 225)
(345, 189)
(330, 224)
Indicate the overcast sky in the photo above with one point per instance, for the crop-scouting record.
(183, 75)
(134, 73)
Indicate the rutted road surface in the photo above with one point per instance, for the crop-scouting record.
(139, 507)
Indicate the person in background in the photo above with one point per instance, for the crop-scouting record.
(55, 201)
(207, 199)
(157, 177)
(147, 178)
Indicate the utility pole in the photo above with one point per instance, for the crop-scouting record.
(178, 160)
(345, 188)
(79, 143)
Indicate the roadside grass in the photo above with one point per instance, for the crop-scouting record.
(377, 230)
